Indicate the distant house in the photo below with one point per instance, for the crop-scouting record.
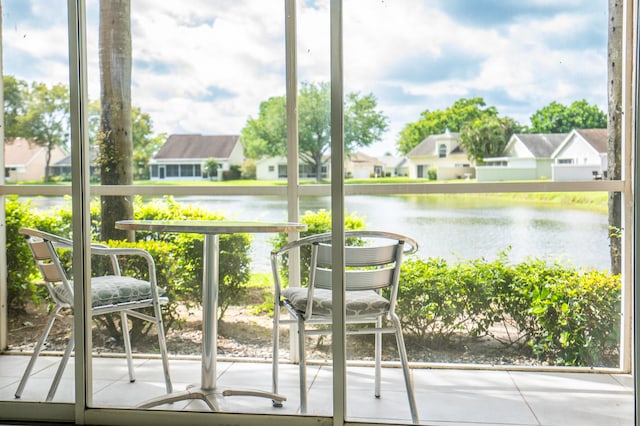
(182, 157)
(394, 166)
(24, 160)
(275, 168)
(63, 167)
(362, 166)
(526, 157)
(441, 154)
(581, 156)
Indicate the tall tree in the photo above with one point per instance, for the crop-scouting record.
(558, 118)
(46, 119)
(145, 142)
(15, 96)
(487, 137)
(614, 126)
(454, 118)
(114, 139)
(266, 134)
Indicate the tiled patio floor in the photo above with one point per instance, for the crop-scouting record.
(450, 397)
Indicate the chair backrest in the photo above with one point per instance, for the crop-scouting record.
(367, 267)
(43, 247)
(372, 259)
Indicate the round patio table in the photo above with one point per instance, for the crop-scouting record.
(211, 229)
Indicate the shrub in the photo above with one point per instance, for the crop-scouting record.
(21, 270)
(178, 257)
(562, 315)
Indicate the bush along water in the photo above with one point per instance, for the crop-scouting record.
(178, 258)
(557, 314)
(561, 315)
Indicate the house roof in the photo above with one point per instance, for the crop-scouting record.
(597, 138)
(360, 157)
(20, 152)
(197, 146)
(541, 145)
(429, 146)
(391, 161)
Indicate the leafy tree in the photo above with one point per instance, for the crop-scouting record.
(46, 118)
(211, 168)
(115, 141)
(487, 137)
(266, 134)
(15, 95)
(145, 142)
(454, 118)
(558, 118)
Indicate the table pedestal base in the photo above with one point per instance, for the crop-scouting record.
(209, 396)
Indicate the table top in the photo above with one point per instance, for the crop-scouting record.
(209, 226)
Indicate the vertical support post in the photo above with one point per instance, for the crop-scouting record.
(4, 291)
(339, 342)
(80, 191)
(293, 193)
(210, 283)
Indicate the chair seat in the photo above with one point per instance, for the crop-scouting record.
(112, 290)
(358, 303)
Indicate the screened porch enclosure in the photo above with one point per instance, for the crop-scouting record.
(510, 308)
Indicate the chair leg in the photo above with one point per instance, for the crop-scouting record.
(124, 324)
(408, 380)
(61, 367)
(378, 358)
(36, 351)
(303, 367)
(275, 358)
(162, 343)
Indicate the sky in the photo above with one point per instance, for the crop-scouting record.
(204, 66)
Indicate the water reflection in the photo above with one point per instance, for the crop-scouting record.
(444, 226)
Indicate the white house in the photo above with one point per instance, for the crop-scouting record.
(182, 157)
(25, 160)
(443, 155)
(526, 157)
(394, 166)
(581, 156)
(362, 166)
(275, 168)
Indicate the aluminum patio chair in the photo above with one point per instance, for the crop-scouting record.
(113, 293)
(372, 263)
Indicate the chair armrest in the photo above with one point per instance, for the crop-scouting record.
(114, 252)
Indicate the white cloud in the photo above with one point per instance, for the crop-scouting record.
(205, 66)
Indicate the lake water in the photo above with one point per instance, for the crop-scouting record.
(444, 226)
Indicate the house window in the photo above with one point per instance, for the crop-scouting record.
(442, 151)
(173, 170)
(282, 170)
(154, 171)
(565, 161)
(272, 169)
(198, 170)
(186, 170)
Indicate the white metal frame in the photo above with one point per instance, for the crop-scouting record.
(81, 192)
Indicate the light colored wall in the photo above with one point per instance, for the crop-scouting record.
(580, 152)
(262, 168)
(496, 174)
(569, 172)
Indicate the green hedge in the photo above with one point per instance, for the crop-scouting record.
(178, 257)
(563, 315)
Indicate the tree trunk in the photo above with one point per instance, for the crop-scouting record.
(614, 151)
(116, 146)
